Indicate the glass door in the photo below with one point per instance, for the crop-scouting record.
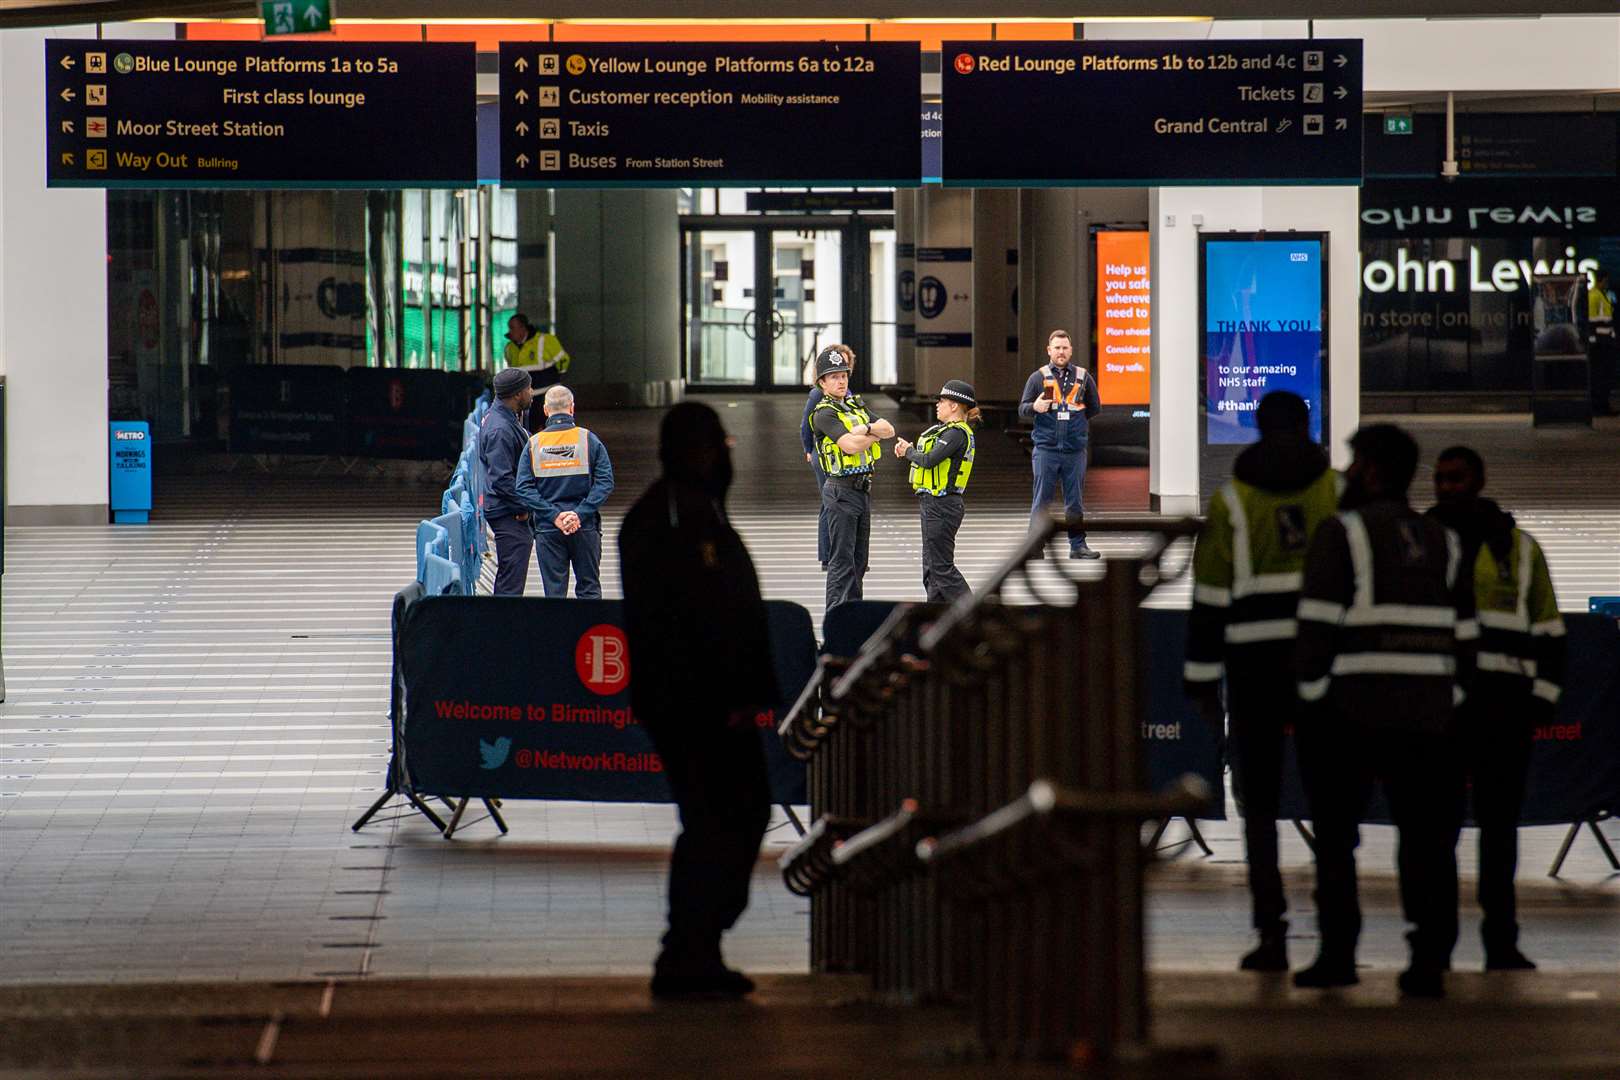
(808, 295)
(721, 316)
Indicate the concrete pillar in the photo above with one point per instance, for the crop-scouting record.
(905, 281)
(1176, 217)
(53, 310)
(945, 259)
(618, 296)
(534, 221)
(995, 374)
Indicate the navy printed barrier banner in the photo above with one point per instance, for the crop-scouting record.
(518, 698)
(1178, 741)
(1575, 766)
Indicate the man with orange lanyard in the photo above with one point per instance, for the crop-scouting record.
(564, 479)
(1060, 398)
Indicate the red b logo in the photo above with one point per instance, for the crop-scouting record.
(602, 659)
(964, 64)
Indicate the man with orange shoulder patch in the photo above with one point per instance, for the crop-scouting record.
(564, 478)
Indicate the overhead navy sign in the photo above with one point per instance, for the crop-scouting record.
(1138, 113)
(177, 114)
(655, 115)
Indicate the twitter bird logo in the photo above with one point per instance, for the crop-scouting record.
(494, 755)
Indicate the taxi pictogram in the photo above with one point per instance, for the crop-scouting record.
(964, 63)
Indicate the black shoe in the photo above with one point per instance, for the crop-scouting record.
(1508, 959)
(721, 985)
(1422, 982)
(1270, 955)
(1083, 552)
(1326, 974)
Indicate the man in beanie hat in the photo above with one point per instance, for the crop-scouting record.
(700, 672)
(846, 445)
(501, 444)
(941, 462)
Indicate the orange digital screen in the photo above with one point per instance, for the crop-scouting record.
(1124, 324)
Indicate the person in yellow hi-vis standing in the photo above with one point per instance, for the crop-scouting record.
(564, 479)
(542, 354)
(941, 462)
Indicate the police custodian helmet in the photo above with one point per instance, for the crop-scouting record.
(830, 362)
(957, 390)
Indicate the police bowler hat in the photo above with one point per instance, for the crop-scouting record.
(830, 362)
(957, 390)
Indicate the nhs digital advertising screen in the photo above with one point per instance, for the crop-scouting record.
(1262, 328)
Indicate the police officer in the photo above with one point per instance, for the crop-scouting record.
(808, 436)
(527, 347)
(564, 479)
(1520, 678)
(1385, 650)
(1247, 570)
(701, 674)
(1060, 398)
(847, 437)
(501, 443)
(1603, 340)
(941, 462)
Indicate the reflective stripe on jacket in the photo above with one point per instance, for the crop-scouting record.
(1521, 642)
(1247, 569)
(950, 474)
(834, 462)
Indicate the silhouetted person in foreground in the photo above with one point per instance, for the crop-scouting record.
(700, 672)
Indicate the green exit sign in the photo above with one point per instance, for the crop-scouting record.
(1397, 123)
(296, 17)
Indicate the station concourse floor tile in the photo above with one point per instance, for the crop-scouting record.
(196, 713)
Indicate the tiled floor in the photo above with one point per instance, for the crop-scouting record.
(195, 714)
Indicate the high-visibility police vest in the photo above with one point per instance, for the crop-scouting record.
(834, 461)
(1052, 391)
(1518, 614)
(558, 452)
(1248, 568)
(950, 474)
(538, 350)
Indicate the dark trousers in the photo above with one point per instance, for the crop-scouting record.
(1499, 730)
(718, 775)
(513, 541)
(941, 517)
(1261, 704)
(821, 515)
(556, 553)
(1422, 777)
(1065, 470)
(848, 513)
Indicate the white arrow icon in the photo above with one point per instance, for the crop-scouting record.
(67, 62)
(68, 95)
(67, 158)
(1341, 124)
(523, 161)
(1340, 60)
(521, 63)
(522, 96)
(67, 127)
(523, 127)
(312, 15)
(1340, 92)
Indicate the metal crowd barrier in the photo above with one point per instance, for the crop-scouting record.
(931, 865)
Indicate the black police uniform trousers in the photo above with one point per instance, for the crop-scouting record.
(1498, 727)
(1262, 701)
(716, 769)
(941, 518)
(1422, 777)
(846, 503)
(581, 550)
(821, 514)
(514, 540)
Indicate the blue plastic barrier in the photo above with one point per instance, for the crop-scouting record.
(430, 539)
(441, 577)
(450, 522)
